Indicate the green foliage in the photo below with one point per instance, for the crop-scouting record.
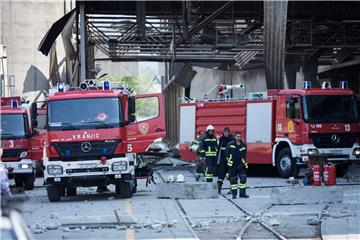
(143, 83)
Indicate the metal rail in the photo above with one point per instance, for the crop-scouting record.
(182, 212)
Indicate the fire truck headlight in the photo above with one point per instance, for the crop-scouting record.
(312, 151)
(356, 151)
(54, 169)
(23, 154)
(119, 166)
(24, 166)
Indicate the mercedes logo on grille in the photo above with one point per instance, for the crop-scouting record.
(86, 147)
(335, 138)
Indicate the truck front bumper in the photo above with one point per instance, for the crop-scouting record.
(332, 154)
(90, 172)
(24, 166)
(88, 181)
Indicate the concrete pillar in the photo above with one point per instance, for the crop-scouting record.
(275, 17)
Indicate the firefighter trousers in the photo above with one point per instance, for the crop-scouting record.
(199, 168)
(210, 168)
(222, 170)
(236, 173)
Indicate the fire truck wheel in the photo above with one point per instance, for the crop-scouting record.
(53, 193)
(126, 189)
(285, 164)
(117, 188)
(341, 169)
(29, 182)
(19, 180)
(70, 191)
(62, 191)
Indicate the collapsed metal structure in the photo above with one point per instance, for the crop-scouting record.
(279, 36)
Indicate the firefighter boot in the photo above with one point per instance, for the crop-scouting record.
(234, 193)
(242, 193)
(219, 186)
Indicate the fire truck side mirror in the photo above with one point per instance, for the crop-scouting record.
(34, 122)
(132, 118)
(291, 108)
(131, 109)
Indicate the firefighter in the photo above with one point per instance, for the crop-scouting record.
(208, 151)
(221, 159)
(195, 146)
(236, 161)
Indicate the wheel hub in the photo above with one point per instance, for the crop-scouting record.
(285, 163)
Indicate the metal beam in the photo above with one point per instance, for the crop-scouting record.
(204, 22)
(83, 41)
(140, 18)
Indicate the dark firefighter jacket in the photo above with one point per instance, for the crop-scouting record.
(236, 155)
(209, 146)
(223, 142)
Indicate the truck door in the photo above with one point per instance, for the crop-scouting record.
(293, 115)
(149, 124)
(38, 121)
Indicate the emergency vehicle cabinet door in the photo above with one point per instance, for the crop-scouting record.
(149, 124)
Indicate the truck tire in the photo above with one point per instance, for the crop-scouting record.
(118, 188)
(126, 189)
(19, 180)
(285, 164)
(53, 193)
(71, 191)
(29, 181)
(341, 169)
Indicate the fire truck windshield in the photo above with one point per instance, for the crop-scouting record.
(84, 113)
(330, 108)
(14, 126)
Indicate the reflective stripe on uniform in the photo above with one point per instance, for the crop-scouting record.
(243, 149)
(220, 180)
(210, 140)
(210, 154)
(230, 161)
(232, 146)
(222, 148)
(233, 186)
(208, 175)
(242, 185)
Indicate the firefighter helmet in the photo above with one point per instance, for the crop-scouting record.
(180, 178)
(210, 128)
(170, 179)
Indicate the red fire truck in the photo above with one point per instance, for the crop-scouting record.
(94, 134)
(21, 142)
(282, 127)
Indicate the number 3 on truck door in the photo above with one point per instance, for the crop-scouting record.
(347, 128)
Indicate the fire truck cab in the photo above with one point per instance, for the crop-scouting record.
(20, 141)
(282, 127)
(93, 136)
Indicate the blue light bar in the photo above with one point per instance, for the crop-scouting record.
(307, 84)
(104, 151)
(106, 85)
(344, 84)
(14, 103)
(61, 87)
(67, 152)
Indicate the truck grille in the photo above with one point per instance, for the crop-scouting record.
(12, 153)
(334, 140)
(86, 149)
